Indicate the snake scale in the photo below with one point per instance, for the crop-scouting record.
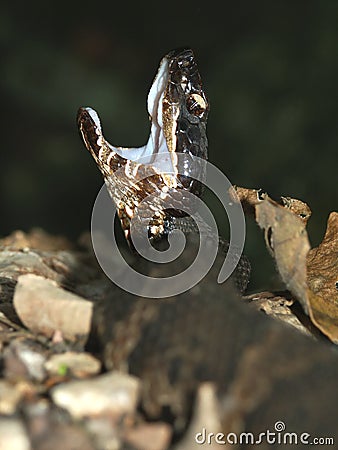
(172, 344)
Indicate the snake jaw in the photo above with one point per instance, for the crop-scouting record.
(155, 95)
(178, 112)
(176, 92)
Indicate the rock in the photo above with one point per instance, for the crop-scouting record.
(44, 307)
(113, 393)
(13, 435)
(66, 437)
(80, 365)
(9, 397)
(24, 358)
(7, 286)
(15, 263)
(149, 436)
(36, 238)
(205, 421)
(50, 428)
(106, 434)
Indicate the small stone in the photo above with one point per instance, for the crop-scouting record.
(24, 358)
(106, 434)
(66, 437)
(50, 429)
(44, 307)
(9, 397)
(13, 435)
(80, 365)
(206, 416)
(113, 393)
(149, 436)
(34, 362)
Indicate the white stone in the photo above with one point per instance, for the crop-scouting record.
(112, 393)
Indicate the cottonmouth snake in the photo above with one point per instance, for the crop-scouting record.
(172, 343)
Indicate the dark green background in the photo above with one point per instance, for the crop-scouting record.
(270, 70)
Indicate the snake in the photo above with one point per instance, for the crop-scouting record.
(178, 109)
(154, 338)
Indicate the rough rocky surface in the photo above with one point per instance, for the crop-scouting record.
(205, 363)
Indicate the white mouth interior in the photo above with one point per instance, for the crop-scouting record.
(156, 143)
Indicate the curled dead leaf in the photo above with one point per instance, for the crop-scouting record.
(249, 198)
(298, 207)
(310, 274)
(322, 271)
(287, 240)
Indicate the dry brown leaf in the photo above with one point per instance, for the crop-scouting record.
(287, 240)
(280, 306)
(322, 262)
(298, 207)
(310, 274)
(249, 198)
(322, 270)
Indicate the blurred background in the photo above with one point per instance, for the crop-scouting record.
(270, 70)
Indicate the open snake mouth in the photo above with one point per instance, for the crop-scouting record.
(178, 110)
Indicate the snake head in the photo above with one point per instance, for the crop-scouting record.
(177, 104)
(178, 110)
